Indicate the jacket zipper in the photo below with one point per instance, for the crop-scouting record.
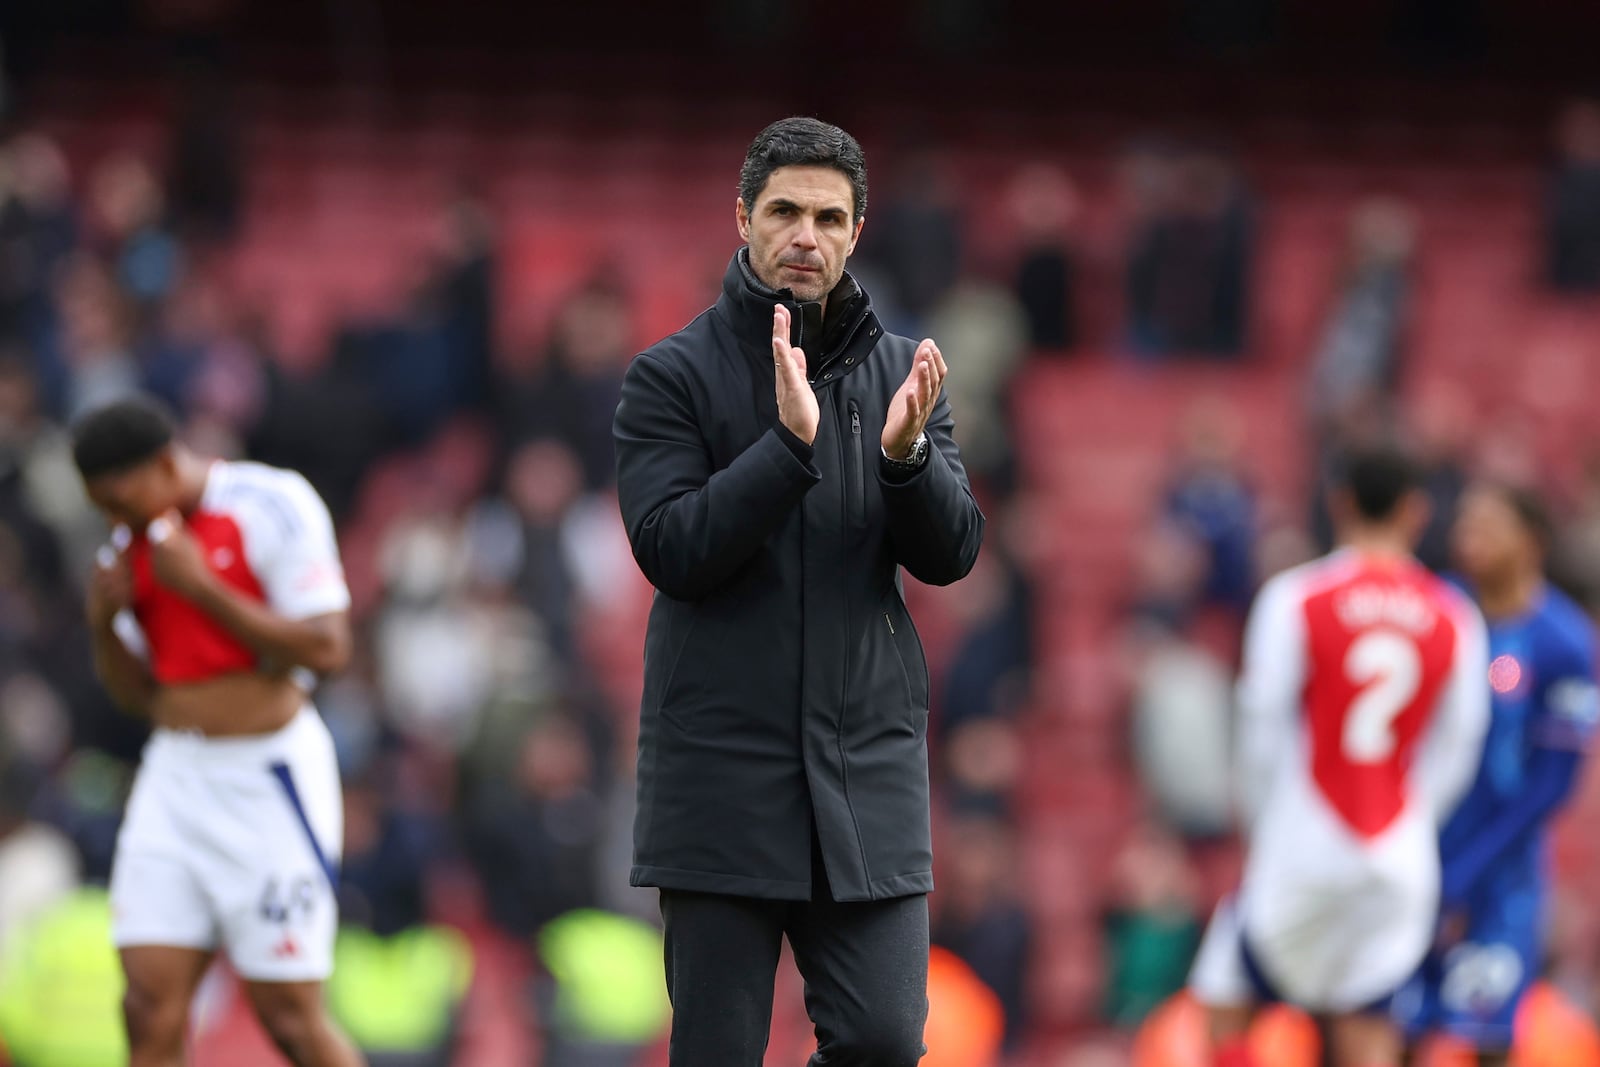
(858, 464)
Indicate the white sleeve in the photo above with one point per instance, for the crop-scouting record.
(1270, 692)
(1453, 747)
(295, 555)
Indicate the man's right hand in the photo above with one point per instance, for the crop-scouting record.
(797, 404)
(110, 587)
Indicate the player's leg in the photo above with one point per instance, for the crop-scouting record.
(865, 966)
(295, 1017)
(1228, 1027)
(1221, 982)
(721, 956)
(271, 867)
(1365, 1039)
(161, 981)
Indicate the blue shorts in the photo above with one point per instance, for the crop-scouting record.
(1472, 990)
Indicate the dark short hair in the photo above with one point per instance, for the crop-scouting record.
(121, 435)
(803, 142)
(1529, 507)
(1377, 479)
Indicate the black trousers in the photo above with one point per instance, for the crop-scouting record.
(865, 967)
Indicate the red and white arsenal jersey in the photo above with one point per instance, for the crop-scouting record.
(266, 533)
(1363, 707)
(1364, 678)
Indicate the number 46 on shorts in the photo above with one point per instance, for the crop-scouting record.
(283, 900)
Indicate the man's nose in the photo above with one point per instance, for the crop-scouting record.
(805, 235)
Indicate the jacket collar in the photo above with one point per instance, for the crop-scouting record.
(747, 305)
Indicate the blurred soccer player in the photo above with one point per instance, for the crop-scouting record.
(1362, 713)
(1545, 706)
(220, 594)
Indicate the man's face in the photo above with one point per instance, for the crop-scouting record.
(135, 496)
(1488, 539)
(800, 230)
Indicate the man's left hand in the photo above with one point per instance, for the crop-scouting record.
(176, 557)
(913, 401)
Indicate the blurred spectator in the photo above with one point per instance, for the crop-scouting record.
(1044, 205)
(131, 229)
(1189, 252)
(978, 917)
(1572, 202)
(984, 325)
(38, 230)
(607, 997)
(1182, 705)
(914, 240)
(521, 534)
(1575, 557)
(535, 837)
(1209, 498)
(401, 997)
(61, 988)
(573, 394)
(1358, 354)
(1170, 567)
(1442, 426)
(982, 758)
(1152, 927)
(96, 333)
(38, 866)
(390, 838)
(990, 672)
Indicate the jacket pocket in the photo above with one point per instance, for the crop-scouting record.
(913, 661)
(855, 458)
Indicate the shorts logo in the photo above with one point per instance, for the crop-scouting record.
(287, 949)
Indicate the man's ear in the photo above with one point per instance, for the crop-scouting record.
(856, 236)
(741, 218)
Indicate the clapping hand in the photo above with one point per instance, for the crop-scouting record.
(797, 403)
(913, 401)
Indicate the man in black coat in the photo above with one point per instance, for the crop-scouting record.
(778, 460)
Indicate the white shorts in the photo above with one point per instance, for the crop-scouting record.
(234, 843)
(1219, 978)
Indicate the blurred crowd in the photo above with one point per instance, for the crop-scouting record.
(485, 730)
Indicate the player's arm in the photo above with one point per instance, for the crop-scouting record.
(304, 620)
(123, 673)
(1453, 748)
(692, 527)
(1271, 685)
(320, 644)
(1559, 733)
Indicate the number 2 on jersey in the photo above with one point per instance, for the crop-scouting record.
(1389, 667)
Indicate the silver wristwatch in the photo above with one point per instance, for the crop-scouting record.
(914, 459)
